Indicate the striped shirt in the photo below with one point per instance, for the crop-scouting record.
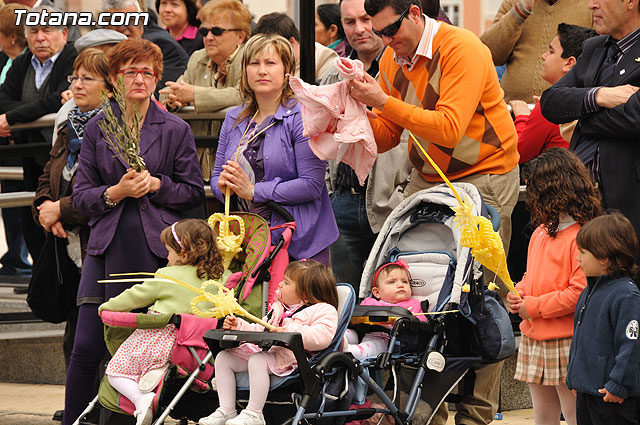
(624, 44)
(43, 69)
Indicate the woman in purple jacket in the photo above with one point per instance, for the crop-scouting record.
(262, 154)
(127, 209)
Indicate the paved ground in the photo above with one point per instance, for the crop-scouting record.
(22, 404)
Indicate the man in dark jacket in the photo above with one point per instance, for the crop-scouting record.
(601, 92)
(32, 89)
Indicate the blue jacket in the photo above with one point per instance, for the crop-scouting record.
(168, 149)
(293, 177)
(605, 352)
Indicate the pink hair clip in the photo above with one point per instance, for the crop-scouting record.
(175, 235)
(398, 262)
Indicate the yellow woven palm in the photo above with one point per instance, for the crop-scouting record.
(229, 244)
(476, 233)
(223, 299)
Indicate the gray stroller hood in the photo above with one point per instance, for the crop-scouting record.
(431, 246)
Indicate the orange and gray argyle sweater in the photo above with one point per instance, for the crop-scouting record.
(454, 106)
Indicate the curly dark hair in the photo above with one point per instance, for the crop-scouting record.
(198, 243)
(611, 237)
(560, 183)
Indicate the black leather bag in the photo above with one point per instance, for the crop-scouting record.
(54, 282)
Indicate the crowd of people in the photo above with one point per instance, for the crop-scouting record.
(561, 120)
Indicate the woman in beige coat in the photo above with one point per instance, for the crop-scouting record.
(211, 80)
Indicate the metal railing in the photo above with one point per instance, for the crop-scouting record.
(11, 173)
(188, 113)
(25, 199)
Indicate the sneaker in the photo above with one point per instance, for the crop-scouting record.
(247, 417)
(217, 418)
(144, 414)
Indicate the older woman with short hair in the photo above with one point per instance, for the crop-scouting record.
(52, 206)
(211, 80)
(128, 209)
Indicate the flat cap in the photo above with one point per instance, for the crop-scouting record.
(97, 38)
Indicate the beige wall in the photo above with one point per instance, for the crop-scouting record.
(472, 16)
(489, 10)
(262, 7)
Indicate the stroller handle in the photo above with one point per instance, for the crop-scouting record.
(277, 208)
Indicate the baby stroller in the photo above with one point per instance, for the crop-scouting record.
(317, 384)
(257, 272)
(473, 325)
(473, 328)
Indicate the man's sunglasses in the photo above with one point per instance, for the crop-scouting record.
(217, 31)
(391, 29)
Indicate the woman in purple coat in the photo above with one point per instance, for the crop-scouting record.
(262, 154)
(127, 209)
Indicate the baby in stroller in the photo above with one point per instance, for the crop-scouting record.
(193, 258)
(391, 286)
(307, 303)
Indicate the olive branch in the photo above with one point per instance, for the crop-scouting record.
(122, 137)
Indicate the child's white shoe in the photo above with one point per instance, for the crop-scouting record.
(144, 409)
(247, 417)
(217, 418)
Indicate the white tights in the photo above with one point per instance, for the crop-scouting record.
(128, 388)
(549, 401)
(371, 345)
(226, 366)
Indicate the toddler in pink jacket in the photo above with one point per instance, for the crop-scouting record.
(391, 287)
(307, 303)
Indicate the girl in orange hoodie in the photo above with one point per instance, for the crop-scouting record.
(561, 197)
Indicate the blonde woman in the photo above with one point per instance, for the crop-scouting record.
(262, 154)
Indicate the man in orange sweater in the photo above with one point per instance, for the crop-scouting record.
(439, 82)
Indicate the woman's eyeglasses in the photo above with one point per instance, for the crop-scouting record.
(83, 80)
(147, 74)
(217, 31)
(391, 29)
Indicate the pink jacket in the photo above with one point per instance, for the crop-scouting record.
(336, 123)
(317, 324)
